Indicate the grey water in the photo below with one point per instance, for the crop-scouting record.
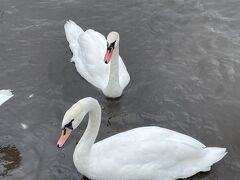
(183, 57)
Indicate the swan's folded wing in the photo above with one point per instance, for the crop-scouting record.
(148, 133)
(90, 62)
(146, 148)
(72, 32)
(5, 94)
(144, 136)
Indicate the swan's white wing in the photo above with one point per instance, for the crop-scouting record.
(73, 31)
(90, 62)
(88, 50)
(5, 94)
(141, 152)
(146, 134)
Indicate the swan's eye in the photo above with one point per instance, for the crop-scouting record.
(111, 46)
(69, 126)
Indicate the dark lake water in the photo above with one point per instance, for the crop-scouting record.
(183, 57)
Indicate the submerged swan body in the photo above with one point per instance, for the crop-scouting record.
(90, 49)
(145, 153)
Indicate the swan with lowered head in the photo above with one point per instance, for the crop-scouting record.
(145, 153)
(90, 50)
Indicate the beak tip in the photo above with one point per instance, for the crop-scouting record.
(59, 146)
(64, 136)
(106, 62)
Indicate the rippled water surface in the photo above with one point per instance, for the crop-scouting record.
(183, 57)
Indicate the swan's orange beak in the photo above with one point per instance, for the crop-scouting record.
(64, 136)
(108, 55)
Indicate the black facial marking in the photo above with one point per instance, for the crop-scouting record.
(69, 126)
(111, 46)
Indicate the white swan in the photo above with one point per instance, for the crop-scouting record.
(90, 49)
(143, 153)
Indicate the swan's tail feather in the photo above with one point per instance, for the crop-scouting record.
(213, 155)
(72, 31)
(203, 163)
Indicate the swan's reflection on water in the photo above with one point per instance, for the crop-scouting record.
(10, 159)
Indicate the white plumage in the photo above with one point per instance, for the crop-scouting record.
(5, 94)
(145, 153)
(88, 48)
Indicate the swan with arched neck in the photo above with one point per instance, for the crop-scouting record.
(145, 153)
(97, 59)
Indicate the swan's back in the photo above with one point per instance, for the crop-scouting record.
(149, 153)
(144, 136)
(90, 62)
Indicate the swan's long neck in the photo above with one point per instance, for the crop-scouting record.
(85, 144)
(113, 88)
